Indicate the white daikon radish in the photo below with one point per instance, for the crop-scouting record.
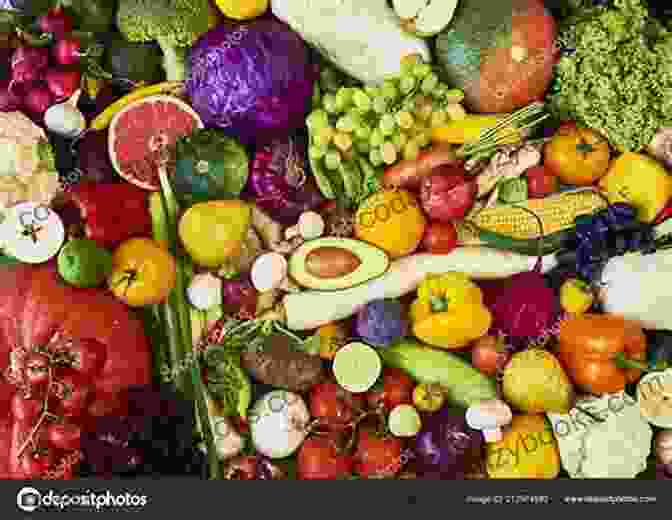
(636, 287)
(311, 309)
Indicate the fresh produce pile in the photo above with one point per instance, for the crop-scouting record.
(237, 247)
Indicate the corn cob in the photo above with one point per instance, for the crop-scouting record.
(556, 212)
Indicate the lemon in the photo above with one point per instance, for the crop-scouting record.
(242, 9)
(391, 220)
(82, 263)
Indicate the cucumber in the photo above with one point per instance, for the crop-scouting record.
(464, 384)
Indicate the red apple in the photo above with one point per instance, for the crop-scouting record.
(541, 182)
(447, 194)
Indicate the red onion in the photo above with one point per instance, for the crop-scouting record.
(240, 296)
(63, 83)
(10, 98)
(279, 181)
(38, 99)
(56, 22)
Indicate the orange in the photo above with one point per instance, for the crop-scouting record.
(143, 273)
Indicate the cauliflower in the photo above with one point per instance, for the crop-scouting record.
(27, 170)
(174, 24)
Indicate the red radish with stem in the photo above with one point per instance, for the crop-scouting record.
(63, 83)
(67, 51)
(10, 98)
(56, 22)
(38, 99)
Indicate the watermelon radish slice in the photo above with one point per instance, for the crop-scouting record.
(425, 18)
(138, 134)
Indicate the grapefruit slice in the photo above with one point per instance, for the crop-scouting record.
(140, 131)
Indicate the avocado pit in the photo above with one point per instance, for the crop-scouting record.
(331, 262)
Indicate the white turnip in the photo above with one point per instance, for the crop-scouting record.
(279, 423)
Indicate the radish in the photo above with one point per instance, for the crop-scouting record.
(63, 83)
(67, 51)
(55, 22)
(38, 99)
(10, 99)
(28, 63)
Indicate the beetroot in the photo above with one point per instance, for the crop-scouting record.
(55, 22)
(10, 97)
(63, 82)
(38, 99)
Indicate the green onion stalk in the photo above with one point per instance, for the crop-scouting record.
(174, 315)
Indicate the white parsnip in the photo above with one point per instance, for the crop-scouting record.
(311, 309)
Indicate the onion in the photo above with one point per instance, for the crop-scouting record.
(10, 99)
(38, 99)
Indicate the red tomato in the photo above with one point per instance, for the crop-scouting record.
(378, 456)
(541, 182)
(397, 388)
(333, 405)
(319, 458)
(37, 368)
(78, 392)
(440, 238)
(26, 410)
(88, 356)
(489, 355)
(64, 435)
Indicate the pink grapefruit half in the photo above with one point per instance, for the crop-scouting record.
(139, 131)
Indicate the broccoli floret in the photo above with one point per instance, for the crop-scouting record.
(174, 24)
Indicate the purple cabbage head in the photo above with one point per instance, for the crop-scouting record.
(252, 80)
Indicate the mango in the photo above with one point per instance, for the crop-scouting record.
(638, 180)
(528, 450)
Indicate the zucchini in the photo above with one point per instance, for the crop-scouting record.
(465, 385)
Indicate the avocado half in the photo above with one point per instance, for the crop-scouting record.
(333, 263)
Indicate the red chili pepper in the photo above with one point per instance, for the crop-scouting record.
(664, 214)
(112, 212)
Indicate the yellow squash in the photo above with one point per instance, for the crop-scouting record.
(449, 311)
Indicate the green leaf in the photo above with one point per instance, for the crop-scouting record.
(91, 15)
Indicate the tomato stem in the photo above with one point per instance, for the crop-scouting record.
(626, 363)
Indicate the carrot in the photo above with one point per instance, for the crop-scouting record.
(409, 173)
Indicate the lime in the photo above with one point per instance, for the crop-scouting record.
(356, 367)
(242, 9)
(83, 263)
(404, 421)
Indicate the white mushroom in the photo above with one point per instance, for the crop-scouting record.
(269, 271)
(205, 291)
(489, 416)
(311, 225)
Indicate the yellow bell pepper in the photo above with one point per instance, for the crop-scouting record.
(639, 180)
(449, 311)
(470, 128)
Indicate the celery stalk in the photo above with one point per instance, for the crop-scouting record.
(178, 309)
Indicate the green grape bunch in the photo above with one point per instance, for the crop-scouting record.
(356, 131)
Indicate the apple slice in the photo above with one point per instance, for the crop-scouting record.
(31, 233)
(424, 18)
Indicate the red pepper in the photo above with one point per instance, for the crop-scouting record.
(112, 212)
(664, 214)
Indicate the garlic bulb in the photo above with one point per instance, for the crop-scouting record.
(65, 119)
